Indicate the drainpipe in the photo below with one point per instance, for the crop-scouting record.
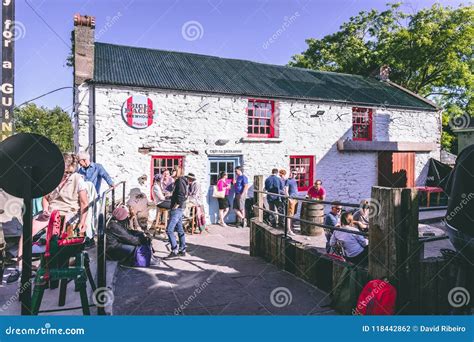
(93, 124)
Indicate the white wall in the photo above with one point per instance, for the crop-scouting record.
(179, 128)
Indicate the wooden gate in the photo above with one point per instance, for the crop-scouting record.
(396, 169)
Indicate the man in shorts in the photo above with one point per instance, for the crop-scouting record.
(291, 189)
(241, 186)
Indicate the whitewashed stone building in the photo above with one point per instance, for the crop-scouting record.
(140, 110)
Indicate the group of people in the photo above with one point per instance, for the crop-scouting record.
(172, 191)
(241, 186)
(281, 191)
(73, 198)
(353, 247)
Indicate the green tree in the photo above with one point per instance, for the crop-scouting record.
(429, 52)
(54, 124)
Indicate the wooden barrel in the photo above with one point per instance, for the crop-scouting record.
(313, 212)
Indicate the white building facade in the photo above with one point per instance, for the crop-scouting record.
(136, 130)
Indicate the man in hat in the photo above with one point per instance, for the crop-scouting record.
(194, 189)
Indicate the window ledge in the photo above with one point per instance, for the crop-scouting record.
(261, 140)
(389, 146)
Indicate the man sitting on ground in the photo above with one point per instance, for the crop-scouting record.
(122, 242)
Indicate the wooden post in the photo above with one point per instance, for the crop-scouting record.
(258, 197)
(394, 249)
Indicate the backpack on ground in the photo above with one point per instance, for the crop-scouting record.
(378, 297)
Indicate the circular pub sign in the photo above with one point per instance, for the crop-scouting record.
(137, 111)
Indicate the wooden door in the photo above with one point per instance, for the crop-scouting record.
(396, 169)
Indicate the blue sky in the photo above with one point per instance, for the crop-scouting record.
(227, 28)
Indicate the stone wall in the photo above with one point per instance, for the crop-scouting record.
(190, 124)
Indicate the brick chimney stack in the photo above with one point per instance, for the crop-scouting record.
(84, 30)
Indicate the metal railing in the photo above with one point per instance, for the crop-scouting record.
(302, 199)
(331, 228)
(102, 236)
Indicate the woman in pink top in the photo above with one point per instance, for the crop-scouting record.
(223, 184)
(317, 191)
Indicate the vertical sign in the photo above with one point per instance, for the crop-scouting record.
(7, 87)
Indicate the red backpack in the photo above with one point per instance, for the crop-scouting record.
(378, 297)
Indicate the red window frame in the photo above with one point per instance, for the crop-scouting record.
(255, 123)
(296, 162)
(180, 160)
(362, 124)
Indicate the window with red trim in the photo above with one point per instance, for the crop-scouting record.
(162, 163)
(361, 124)
(260, 118)
(304, 166)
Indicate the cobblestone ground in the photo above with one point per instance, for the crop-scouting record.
(217, 277)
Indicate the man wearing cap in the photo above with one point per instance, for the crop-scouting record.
(93, 172)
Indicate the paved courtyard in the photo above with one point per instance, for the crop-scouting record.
(217, 277)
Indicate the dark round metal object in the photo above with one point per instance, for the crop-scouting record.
(41, 154)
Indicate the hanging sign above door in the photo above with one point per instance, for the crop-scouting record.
(138, 112)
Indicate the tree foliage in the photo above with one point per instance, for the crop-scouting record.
(429, 52)
(54, 124)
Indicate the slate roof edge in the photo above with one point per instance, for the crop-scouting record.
(419, 97)
(307, 99)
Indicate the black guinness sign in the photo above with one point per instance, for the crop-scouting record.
(7, 87)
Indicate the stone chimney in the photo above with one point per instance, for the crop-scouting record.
(384, 73)
(84, 30)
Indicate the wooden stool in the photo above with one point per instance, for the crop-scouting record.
(161, 220)
(190, 224)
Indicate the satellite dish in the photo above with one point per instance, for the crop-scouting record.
(25, 150)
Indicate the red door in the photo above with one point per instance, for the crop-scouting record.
(396, 169)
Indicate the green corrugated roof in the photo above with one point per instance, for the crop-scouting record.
(132, 66)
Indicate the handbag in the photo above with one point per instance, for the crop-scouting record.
(142, 256)
(216, 193)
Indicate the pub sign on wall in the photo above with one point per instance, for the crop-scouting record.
(138, 112)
